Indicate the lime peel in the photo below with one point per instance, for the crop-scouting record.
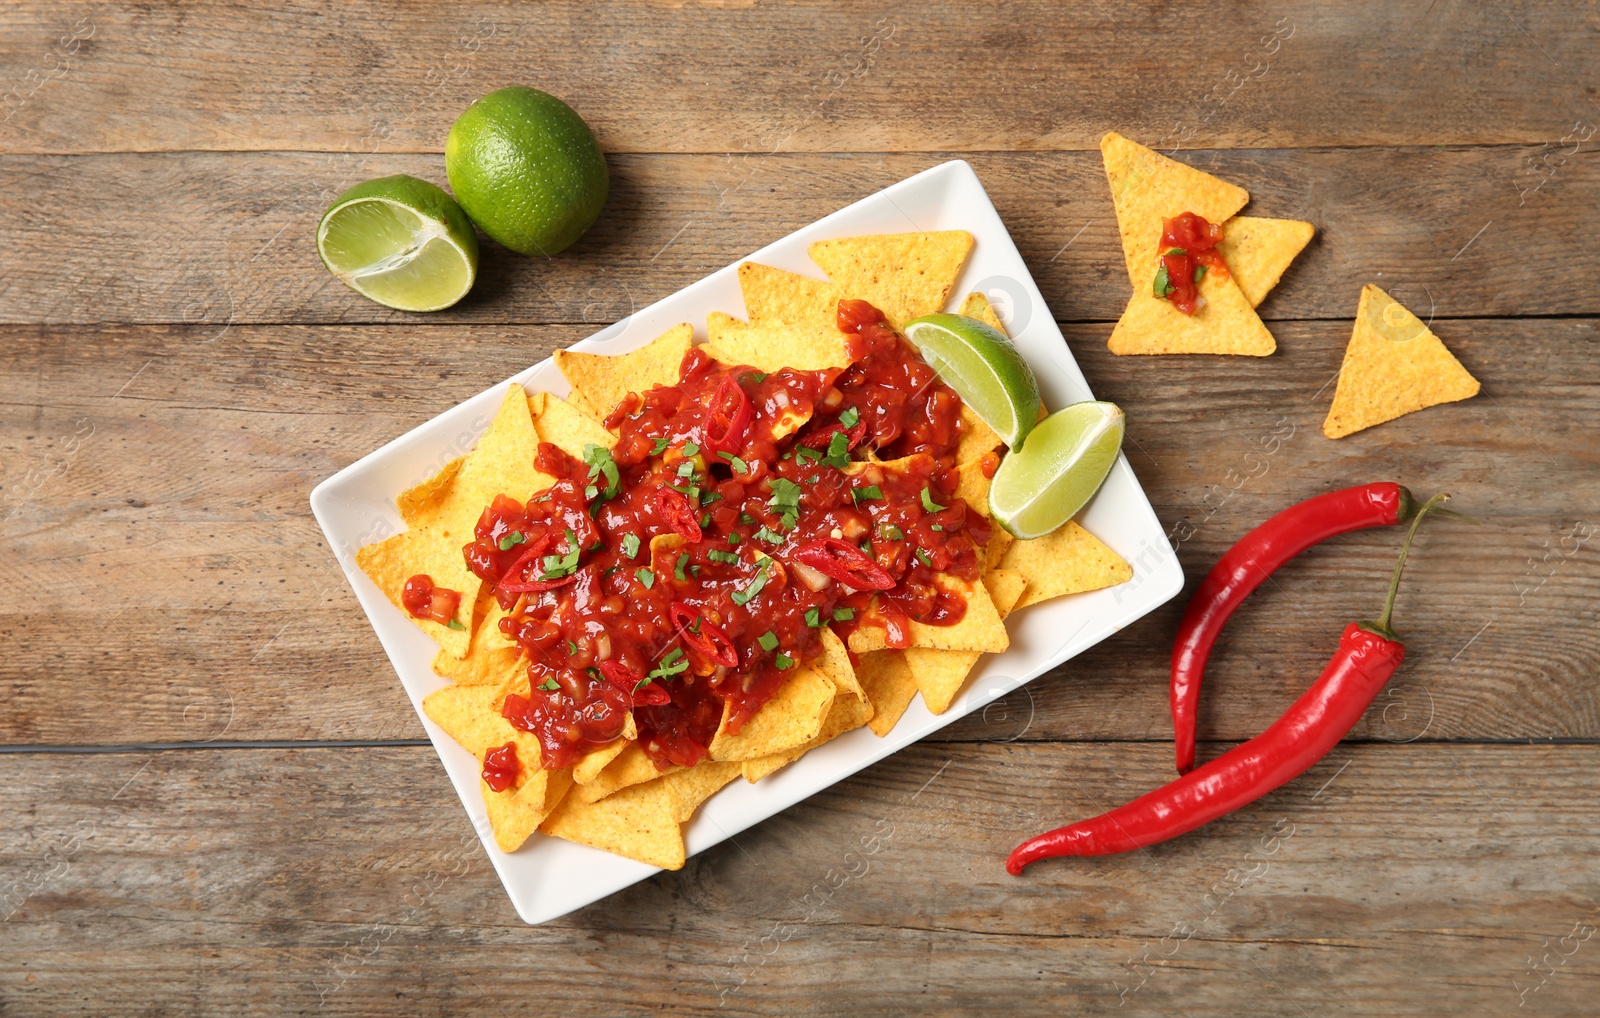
(400, 241)
(1037, 489)
(985, 369)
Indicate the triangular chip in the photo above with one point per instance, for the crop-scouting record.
(422, 502)
(1226, 324)
(1258, 251)
(570, 429)
(902, 274)
(598, 759)
(516, 812)
(846, 714)
(1147, 189)
(1066, 561)
(977, 306)
(835, 663)
(600, 381)
(770, 346)
(1393, 366)
(980, 627)
(692, 786)
(636, 822)
(491, 659)
(778, 297)
(940, 674)
(889, 684)
(632, 766)
(392, 561)
(792, 717)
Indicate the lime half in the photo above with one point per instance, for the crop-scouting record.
(984, 369)
(1038, 488)
(400, 241)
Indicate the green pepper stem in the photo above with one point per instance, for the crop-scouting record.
(1382, 626)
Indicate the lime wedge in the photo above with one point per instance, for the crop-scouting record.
(1043, 485)
(984, 369)
(401, 242)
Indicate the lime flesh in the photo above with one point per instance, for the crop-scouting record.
(401, 242)
(984, 369)
(1038, 488)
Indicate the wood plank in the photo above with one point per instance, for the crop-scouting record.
(723, 77)
(160, 545)
(1391, 880)
(216, 238)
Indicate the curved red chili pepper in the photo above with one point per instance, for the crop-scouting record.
(727, 417)
(1243, 568)
(536, 550)
(1296, 741)
(822, 438)
(1368, 654)
(676, 512)
(707, 638)
(647, 694)
(846, 563)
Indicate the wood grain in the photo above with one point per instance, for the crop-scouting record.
(215, 610)
(218, 238)
(263, 882)
(747, 77)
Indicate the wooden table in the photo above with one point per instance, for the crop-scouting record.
(214, 797)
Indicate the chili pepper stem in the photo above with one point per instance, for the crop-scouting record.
(1383, 625)
(1410, 509)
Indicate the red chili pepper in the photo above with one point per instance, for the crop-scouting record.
(703, 636)
(1247, 564)
(727, 417)
(676, 512)
(515, 579)
(846, 563)
(821, 439)
(643, 692)
(1368, 655)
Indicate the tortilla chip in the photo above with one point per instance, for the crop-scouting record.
(792, 717)
(636, 822)
(570, 429)
(392, 561)
(777, 297)
(1259, 250)
(598, 759)
(977, 306)
(940, 674)
(1393, 366)
(977, 437)
(979, 629)
(690, 787)
(890, 687)
(846, 714)
(424, 500)
(1068, 561)
(632, 766)
(835, 664)
(470, 716)
(1148, 188)
(769, 346)
(516, 812)
(902, 274)
(491, 658)
(1227, 324)
(600, 381)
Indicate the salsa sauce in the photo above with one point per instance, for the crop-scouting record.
(1188, 252)
(692, 567)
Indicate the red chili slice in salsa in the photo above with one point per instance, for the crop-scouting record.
(703, 636)
(643, 693)
(525, 574)
(728, 417)
(844, 562)
(678, 514)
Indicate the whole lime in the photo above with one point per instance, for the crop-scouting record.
(527, 169)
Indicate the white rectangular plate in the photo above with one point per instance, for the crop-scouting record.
(548, 877)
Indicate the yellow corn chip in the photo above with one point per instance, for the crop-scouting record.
(690, 787)
(632, 766)
(391, 562)
(977, 438)
(1259, 250)
(835, 663)
(1148, 188)
(1006, 587)
(570, 429)
(1226, 324)
(792, 717)
(902, 274)
(889, 685)
(777, 297)
(769, 346)
(940, 674)
(469, 715)
(598, 759)
(1394, 365)
(516, 812)
(979, 629)
(423, 501)
(846, 714)
(1068, 561)
(636, 822)
(600, 381)
(977, 306)
(491, 658)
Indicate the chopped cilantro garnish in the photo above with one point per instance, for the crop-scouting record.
(660, 447)
(511, 540)
(753, 377)
(838, 450)
(862, 494)
(1163, 286)
(630, 545)
(922, 557)
(600, 463)
(936, 528)
(686, 469)
(593, 673)
(455, 624)
(742, 597)
(733, 538)
(645, 577)
(785, 501)
(557, 566)
(890, 532)
(769, 536)
(677, 570)
(673, 664)
(806, 452)
(850, 418)
(705, 521)
(768, 640)
(691, 449)
(725, 557)
(694, 570)
(1199, 273)
(783, 662)
(813, 617)
(746, 519)
(572, 648)
(549, 685)
(708, 497)
(590, 491)
(927, 500)
(739, 466)
(843, 614)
